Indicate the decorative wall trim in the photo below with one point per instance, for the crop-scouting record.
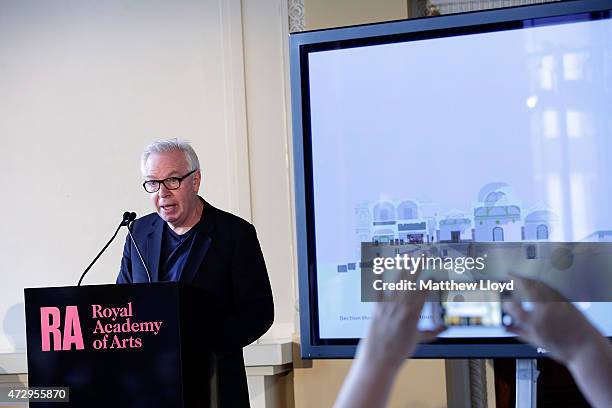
(296, 16)
(458, 6)
(422, 8)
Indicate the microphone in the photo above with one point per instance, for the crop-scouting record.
(127, 218)
(132, 217)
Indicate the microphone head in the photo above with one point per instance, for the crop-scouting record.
(128, 217)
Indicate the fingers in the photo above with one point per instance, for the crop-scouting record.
(427, 336)
(519, 331)
(521, 320)
(533, 288)
(519, 315)
(409, 297)
(537, 290)
(413, 304)
(405, 311)
(419, 297)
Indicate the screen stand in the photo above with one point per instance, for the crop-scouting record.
(526, 383)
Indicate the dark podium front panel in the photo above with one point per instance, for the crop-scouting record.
(139, 345)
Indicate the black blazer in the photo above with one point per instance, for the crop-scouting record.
(227, 264)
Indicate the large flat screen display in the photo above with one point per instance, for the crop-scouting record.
(480, 127)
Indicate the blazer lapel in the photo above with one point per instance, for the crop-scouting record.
(153, 250)
(200, 244)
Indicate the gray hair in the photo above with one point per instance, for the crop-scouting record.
(170, 145)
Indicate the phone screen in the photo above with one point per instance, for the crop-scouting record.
(456, 309)
(471, 313)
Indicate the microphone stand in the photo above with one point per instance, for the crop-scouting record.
(138, 249)
(124, 222)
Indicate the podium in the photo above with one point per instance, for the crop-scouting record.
(136, 345)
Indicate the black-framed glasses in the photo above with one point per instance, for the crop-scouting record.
(171, 183)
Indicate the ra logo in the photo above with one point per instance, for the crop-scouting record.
(63, 338)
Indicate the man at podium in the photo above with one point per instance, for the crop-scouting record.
(188, 240)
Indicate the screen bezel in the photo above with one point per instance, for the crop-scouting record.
(304, 43)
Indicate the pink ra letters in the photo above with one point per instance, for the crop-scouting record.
(50, 322)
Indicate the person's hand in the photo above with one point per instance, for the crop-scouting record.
(565, 332)
(552, 323)
(393, 334)
(391, 338)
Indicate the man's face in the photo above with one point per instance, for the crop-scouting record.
(173, 206)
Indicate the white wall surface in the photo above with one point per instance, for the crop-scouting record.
(83, 87)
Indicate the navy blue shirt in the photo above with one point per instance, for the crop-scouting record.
(175, 249)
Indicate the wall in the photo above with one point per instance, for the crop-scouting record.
(337, 13)
(85, 85)
(265, 25)
(419, 384)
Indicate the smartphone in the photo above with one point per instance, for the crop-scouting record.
(456, 310)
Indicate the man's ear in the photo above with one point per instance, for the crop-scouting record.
(197, 179)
